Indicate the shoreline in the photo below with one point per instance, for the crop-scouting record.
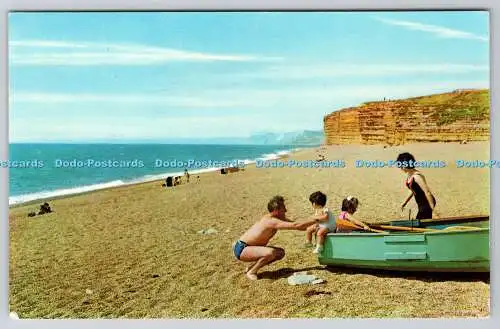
(138, 181)
(296, 154)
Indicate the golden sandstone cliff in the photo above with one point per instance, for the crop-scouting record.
(462, 115)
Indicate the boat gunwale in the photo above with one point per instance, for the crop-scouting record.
(399, 233)
(442, 220)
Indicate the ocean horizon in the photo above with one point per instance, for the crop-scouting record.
(49, 170)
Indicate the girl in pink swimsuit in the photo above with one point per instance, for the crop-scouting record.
(349, 207)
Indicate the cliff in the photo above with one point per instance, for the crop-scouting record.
(450, 117)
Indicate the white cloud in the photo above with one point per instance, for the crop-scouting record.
(49, 52)
(247, 98)
(310, 96)
(277, 110)
(46, 44)
(366, 70)
(125, 99)
(440, 31)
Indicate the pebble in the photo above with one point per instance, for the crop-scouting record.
(209, 231)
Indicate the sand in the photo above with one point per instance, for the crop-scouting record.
(135, 251)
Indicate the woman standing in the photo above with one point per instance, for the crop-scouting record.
(417, 184)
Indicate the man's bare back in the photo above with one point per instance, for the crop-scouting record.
(260, 233)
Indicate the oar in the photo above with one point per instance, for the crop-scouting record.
(350, 225)
(377, 231)
(461, 228)
(404, 228)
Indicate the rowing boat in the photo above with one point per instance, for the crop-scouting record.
(453, 244)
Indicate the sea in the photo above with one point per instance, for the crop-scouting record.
(41, 171)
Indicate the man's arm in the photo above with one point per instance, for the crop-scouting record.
(319, 218)
(282, 225)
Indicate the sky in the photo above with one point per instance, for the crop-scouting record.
(160, 76)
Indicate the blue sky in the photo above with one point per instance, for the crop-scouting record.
(135, 76)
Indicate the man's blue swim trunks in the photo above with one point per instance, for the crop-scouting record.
(238, 248)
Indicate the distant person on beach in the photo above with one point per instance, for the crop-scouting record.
(349, 207)
(186, 175)
(326, 221)
(44, 209)
(252, 245)
(417, 184)
(169, 181)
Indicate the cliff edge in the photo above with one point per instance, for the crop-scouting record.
(449, 117)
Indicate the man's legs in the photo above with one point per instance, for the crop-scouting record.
(262, 256)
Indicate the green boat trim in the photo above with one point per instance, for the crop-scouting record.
(471, 220)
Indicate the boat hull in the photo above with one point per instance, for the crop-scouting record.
(440, 251)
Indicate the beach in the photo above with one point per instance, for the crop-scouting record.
(136, 251)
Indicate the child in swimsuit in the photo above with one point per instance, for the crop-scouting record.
(349, 207)
(326, 221)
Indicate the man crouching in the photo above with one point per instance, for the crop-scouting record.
(252, 245)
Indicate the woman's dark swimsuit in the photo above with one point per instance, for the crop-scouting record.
(424, 209)
(238, 248)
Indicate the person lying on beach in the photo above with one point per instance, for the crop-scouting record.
(349, 207)
(326, 221)
(417, 184)
(252, 245)
(44, 209)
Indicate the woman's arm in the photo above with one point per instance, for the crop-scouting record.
(406, 201)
